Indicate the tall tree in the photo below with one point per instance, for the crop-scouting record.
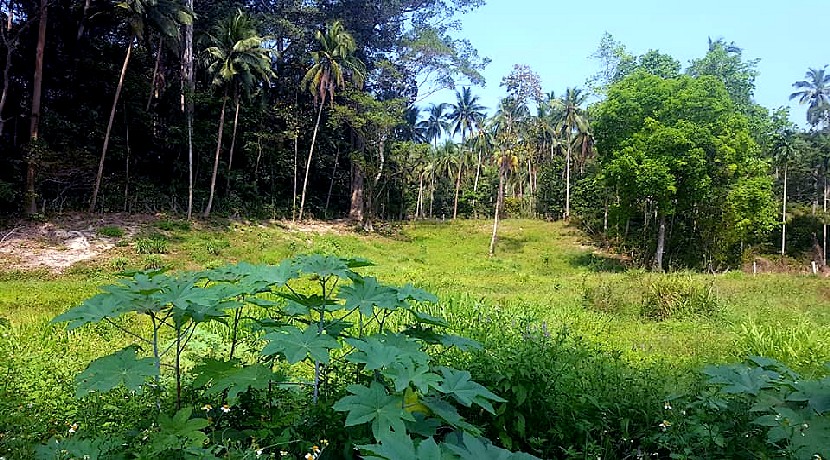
(435, 124)
(237, 60)
(34, 126)
(334, 60)
(814, 91)
(571, 121)
(164, 16)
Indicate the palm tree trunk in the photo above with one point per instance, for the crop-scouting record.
(308, 161)
(499, 201)
(457, 190)
(118, 88)
(155, 75)
(784, 216)
(37, 85)
(216, 156)
(233, 141)
(419, 203)
(294, 195)
(568, 184)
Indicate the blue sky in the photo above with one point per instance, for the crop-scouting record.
(557, 38)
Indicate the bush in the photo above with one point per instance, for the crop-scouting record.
(154, 244)
(678, 297)
(111, 231)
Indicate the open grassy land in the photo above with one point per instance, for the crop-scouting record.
(633, 334)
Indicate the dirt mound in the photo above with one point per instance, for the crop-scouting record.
(56, 244)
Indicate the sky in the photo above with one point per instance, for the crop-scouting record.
(557, 38)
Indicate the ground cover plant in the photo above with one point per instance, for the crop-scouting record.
(569, 339)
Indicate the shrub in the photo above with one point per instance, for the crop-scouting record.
(678, 297)
(111, 231)
(154, 244)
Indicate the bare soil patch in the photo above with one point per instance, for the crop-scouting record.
(58, 243)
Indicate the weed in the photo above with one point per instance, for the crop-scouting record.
(119, 263)
(153, 262)
(679, 297)
(111, 231)
(154, 244)
(214, 247)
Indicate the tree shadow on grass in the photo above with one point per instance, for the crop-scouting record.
(599, 263)
(510, 244)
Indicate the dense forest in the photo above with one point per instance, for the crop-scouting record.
(298, 109)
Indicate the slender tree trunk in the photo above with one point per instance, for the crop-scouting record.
(233, 141)
(331, 184)
(80, 34)
(4, 95)
(188, 94)
(37, 86)
(568, 184)
(419, 205)
(127, 161)
(216, 156)
(431, 192)
(308, 162)
(784, 216)
(256, 165)
(499, 200)
(457, 190)
(661, 243)
(475, 185)
(294, 194)
(118, 88)
(153, 88)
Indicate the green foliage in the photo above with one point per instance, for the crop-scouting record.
(678, 297)
(111, 231)
(154, 244)
(396, 387)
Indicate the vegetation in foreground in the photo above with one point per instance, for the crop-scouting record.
(590, 358)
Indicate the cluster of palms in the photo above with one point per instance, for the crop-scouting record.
(510, 145)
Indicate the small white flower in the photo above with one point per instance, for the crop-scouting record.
(259, 452)
(667, 405)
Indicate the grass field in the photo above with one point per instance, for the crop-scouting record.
(545, 276)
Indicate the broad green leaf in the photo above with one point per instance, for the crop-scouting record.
(462, 343)
(251, 377)
(410, 292)
(358, 262)
(474, 448)
(448, 413)
(297, 303)
(393, 446)
(424, 318)
(229, 376)
(382, 350)
(120, 368)
(739, 378)
(815, 392)
(366, 293)
(373, 405)
(419, 376)
(296, 345)
(180, 431)
(75, 447)
(93, 310)
(458, 385)
(322, 266)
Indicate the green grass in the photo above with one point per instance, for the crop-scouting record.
(542, 269)
(545, 277)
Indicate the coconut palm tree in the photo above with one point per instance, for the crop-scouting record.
(237, 60)
(784, 150)
(435, 125)
(466, 113)
(164, 16)
(571, 119)
(814, 90)
(334, 60)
